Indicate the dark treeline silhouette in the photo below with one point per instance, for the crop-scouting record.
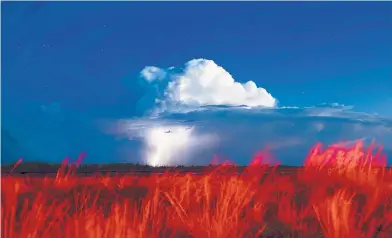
(87, 169)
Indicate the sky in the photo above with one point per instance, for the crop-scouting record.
(176, 82)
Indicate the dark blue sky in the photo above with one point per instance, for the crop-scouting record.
(87, 56)
(80, 53)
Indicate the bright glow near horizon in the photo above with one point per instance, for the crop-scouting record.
(167, 143)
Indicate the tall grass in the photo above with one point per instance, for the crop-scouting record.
(340, 192)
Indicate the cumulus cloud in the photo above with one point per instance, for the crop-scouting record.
(204, 83)
(151, 73)
(200, 109)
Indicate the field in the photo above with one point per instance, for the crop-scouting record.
(339, 192)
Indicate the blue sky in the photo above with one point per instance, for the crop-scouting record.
(68, 66)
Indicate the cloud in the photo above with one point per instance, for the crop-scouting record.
(165, 142)
(173, 145)
(206, 112)
(203, 83)
(195, 137)
(151, 73)
(239, 132)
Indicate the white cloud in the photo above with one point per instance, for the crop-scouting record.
(203, 83)
(193, 138)
(165, 142)
(172, 145)
(208, 112)
(151, 73)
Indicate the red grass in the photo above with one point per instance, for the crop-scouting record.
(340, 192)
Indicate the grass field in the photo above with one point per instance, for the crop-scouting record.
(340, 192)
